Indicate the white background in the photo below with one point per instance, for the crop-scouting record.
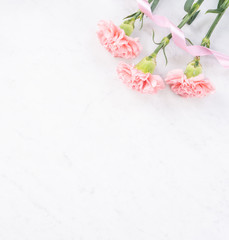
(82, 157)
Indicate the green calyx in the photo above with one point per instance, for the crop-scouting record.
(194, 68)
(206, 42)
(128, 26)
(147, 65)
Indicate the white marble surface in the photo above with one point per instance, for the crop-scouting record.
(83, 157)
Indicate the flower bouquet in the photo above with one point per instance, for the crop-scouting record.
(191, 82)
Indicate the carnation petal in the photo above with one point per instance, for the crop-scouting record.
(116, 42)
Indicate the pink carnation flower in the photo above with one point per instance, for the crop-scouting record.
(139, 81)
(198, 86)
(116, 42)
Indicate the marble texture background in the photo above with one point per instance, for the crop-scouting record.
(83, 157)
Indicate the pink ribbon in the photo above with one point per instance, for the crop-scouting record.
(178, 36)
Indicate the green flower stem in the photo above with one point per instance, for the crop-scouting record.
(138, 15)
(213, 26)
(197, 61)
(206, 39)
(165, 41)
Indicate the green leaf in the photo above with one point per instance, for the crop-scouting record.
(141, 20)
(214, 11)
(166, 59)
(130, 16)
(187, 39)
(188, 5)
(154, 38)
(134, 15)
(154, 4)
(150, 1)
(193, 18)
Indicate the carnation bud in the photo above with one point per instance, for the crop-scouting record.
(206, 42)
(128, 26)
(194, 68)
(147, 65)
